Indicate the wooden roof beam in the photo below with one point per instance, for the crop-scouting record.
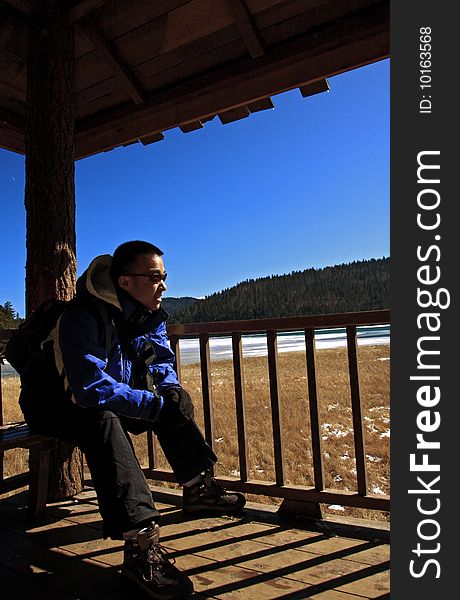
(317, 87)
(4, 16)
(10, 91)
(5, 20)
(151, 139)
(246, 27)
(109, 53)
(187, 108)
(234, 114)
(12, 131)
(12, 120)
(144, 140)
(193, 126)
(12, 140)
(84, 8)
(340, 46)
(263, 104)
(229, 116)
(27, 7)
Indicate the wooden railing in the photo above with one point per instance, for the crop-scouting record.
(317, 493)
(271, 327)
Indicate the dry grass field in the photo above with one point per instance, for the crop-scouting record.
(335, 415)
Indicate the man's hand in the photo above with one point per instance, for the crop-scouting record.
(177, 406)
(182, 398)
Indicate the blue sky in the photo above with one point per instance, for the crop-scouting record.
(304, 185)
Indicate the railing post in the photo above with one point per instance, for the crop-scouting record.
(206, 387)
(360, 452)
(317, 450)
(310, 510)
(272, 345)
(175, 347)
(1, 397)
(240, 404)
(2, 474)
(151, 450)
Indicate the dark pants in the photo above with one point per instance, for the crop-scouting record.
(125, 500)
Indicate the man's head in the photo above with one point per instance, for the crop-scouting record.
(138, 269)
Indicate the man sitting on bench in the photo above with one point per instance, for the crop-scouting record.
(118, 367)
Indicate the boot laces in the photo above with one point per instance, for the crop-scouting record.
(158, 560)
(213, 487)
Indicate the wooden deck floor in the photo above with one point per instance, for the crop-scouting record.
(64, 558)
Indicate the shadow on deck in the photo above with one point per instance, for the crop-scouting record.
(253, 557)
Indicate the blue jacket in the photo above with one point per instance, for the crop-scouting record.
(103, 373)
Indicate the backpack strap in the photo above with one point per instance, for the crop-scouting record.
(105, 322)
(108, 325)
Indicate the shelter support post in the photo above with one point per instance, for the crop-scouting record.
(50, 189)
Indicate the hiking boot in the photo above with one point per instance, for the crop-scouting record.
(209, 497)
(149, 566)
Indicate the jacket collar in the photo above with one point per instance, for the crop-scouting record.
(137, 317)
(97, 282)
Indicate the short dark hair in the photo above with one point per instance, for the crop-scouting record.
(125, 255)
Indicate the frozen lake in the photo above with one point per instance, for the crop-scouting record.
(256, 345)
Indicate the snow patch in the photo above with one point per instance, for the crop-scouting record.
(374, 459)
(336, 431)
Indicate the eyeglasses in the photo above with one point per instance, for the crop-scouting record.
(154, 277)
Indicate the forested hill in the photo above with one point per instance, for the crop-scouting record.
(9, 319)
(175, 305)
(356, 286)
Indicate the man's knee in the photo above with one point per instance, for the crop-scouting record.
(103, 429)
(108, 423)
(107, 415)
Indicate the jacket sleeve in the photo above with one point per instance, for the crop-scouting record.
(84, 360)
(162, 368)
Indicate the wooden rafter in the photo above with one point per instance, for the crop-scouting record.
(84, 8)
(193, 126)
(151, 139)
(109, 53)
(302, 60)
(317, 87)
(11, 120)
(5, 19)
(234, 114)
(27, 7)
(246, 27)
(263, 104)
(4, 15)
(339, 46)
(12, 130)
(12, 140)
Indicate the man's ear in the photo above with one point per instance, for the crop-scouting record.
(123, 282)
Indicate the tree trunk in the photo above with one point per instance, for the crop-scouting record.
(50, 189)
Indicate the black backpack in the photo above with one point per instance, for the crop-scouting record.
(28, 342)
(32, 356)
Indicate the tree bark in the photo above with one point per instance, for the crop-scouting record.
(50, 189)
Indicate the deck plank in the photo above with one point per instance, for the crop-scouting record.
(64, 557)
(14, 586)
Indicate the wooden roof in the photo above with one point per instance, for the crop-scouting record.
(143, 67)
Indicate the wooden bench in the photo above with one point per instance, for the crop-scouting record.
(39, 446)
